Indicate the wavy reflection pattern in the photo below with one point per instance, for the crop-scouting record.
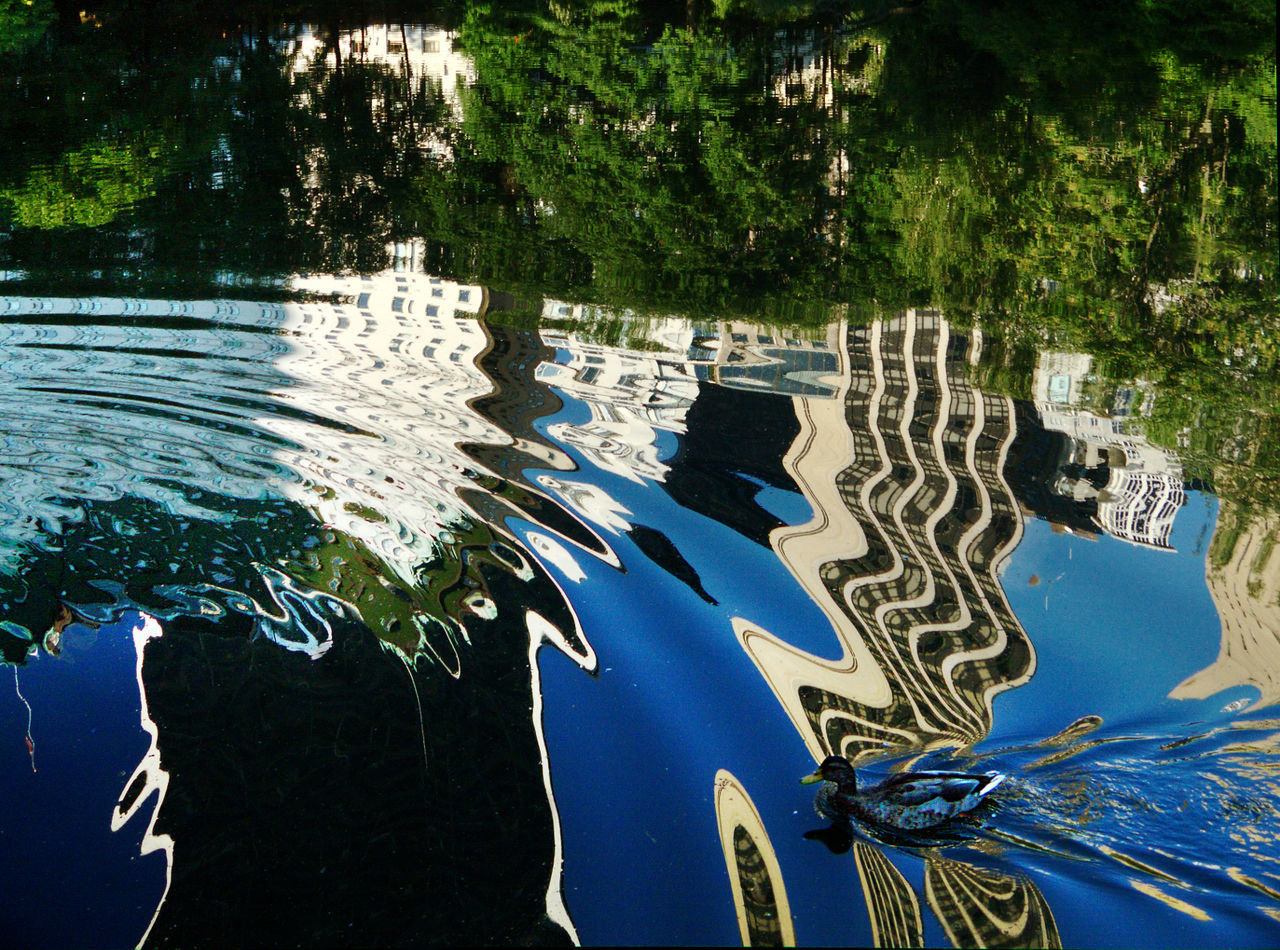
(764, 916)
(356, 409)
(258, 477)
(984, 908)
(912, 520)
(892, 904)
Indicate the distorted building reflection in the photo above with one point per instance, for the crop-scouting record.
(912, 522)
(1131, 489)
(979, 907)
(632, 396)
(1243, 573)
(759, 896)
(282, 488)
(891, 903)
(976, 906)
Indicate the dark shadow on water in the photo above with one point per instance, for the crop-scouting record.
(839, 836)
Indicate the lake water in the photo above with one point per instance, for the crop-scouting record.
(463, 467)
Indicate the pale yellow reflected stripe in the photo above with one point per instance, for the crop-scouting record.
(753, 867)
(1140, 866)
(1152, 891)
(978, 907)
(1239, 876)
(891, 903)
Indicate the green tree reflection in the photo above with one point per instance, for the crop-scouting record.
(1102, 181)
(23, 23)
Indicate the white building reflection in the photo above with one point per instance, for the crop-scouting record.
(1142, 491)
(352, 409)
(632, 395)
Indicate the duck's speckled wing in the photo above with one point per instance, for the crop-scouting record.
(916, 788)
(922, 799)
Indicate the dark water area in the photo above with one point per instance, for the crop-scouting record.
(463, 465)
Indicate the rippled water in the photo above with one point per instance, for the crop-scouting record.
(376, 607)
(734, 580)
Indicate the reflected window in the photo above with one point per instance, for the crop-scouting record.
(1059, 388)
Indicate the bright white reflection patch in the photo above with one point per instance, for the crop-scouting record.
(554, 552)
(149, 777)
(590, 501)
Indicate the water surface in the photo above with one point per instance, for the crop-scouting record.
(462, 470)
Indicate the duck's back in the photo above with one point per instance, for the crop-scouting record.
(922, 799)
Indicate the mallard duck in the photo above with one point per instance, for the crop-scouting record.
(909, 801)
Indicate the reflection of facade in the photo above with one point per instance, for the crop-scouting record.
(1243, 571)
(409, 50)
(634, 394)
(631, 395)
(983, 908)
(912, 522)
(764, 916)
(977, 907)
(288, 466)
(1134, 488)
(395, 368)
(891, 902)
(770, 360)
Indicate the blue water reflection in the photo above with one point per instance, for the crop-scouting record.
(1130, 621)
(85, 707)
(381, 581)
(458, 476)
(1109, 806)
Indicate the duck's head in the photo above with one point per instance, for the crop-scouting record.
(834, 768)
